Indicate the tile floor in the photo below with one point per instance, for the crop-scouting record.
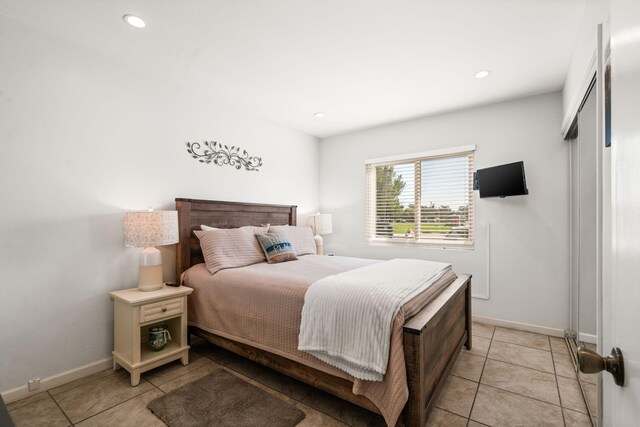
(509, 378)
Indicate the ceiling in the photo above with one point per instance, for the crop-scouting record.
(361, 62)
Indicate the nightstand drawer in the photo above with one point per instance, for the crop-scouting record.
(158, 310)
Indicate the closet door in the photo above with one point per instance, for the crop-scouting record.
(587, 226)
(584, 253)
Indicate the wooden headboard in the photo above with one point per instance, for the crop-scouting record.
(193, 213)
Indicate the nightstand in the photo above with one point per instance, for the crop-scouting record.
(134, 313)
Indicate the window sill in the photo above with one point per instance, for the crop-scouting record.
(418, 244)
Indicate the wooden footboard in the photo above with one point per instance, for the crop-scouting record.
(432, 341)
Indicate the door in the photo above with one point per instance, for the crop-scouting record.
(621, 244)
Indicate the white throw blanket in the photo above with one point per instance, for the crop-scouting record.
(347, 318)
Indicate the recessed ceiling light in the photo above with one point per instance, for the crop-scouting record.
(482, 74)
(134, 21)
(319, 114)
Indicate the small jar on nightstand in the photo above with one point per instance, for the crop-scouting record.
(134, 314)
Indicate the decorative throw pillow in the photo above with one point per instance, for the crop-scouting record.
(230, 248)
(276, 247)
(300, 237)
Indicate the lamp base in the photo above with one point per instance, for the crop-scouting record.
(150, 275)
(319, 244)
(149, 288)
(150, 278)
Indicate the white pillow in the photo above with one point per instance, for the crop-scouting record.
(258, 230)
(300, 237)
(230, 248)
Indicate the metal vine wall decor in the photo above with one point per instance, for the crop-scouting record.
(221, 155)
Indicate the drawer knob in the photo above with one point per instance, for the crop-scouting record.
(164, 309)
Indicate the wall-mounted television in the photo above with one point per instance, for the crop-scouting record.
(502, 181)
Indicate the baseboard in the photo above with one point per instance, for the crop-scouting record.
(57, 380)
(591, 339)
(554, 332)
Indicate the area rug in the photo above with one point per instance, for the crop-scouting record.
(222, 399)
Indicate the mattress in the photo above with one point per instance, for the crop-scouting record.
(261, 305)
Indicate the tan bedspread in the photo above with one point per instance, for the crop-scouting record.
(261, 305)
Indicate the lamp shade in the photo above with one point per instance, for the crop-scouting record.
(150, 228)
(321, 223)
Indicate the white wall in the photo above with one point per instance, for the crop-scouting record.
(529, 234)
(578, 75)
(84, 138)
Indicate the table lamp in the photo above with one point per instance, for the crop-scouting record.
(146, 229)
(321, 224)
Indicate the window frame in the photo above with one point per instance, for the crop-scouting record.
(467, 151)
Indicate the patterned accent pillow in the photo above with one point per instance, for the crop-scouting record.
(300, 237)
(276, 247)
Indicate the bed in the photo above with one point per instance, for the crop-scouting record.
(431, 339)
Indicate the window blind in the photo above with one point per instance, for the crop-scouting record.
(425, 199)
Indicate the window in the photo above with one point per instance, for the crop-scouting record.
(423, 198)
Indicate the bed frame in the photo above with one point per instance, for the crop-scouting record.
(432, 338)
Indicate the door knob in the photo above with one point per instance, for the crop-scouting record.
(591, 362)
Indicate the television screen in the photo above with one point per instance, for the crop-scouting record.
(502, 181)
